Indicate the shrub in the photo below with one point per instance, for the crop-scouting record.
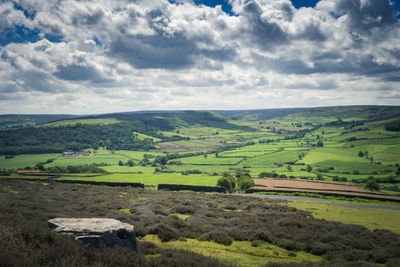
(164, 232)
(184, 210)
(256, 243)
(218, 237)
(265, 174)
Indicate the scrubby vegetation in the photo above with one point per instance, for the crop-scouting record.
(214, 217)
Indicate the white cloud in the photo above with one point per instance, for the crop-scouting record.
(123, 55)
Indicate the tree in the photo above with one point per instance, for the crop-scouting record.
(309, 168)
(130, 163)
(361, 154)
(227, 182)
(372, 184)
(246, 183)
(320, 143)
(120, 163)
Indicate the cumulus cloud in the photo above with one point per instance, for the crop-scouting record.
(159, 54)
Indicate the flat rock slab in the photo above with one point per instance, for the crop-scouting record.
(96, 231)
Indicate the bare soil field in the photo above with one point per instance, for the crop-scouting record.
(285, 185)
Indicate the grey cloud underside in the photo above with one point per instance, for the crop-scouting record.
(367, 15)
(158, 51)
(154, 51)
(79, 73)
(333, 63)
(263, 32)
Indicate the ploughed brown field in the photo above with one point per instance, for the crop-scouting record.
(333, 188)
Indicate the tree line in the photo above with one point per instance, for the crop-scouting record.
(35, 140)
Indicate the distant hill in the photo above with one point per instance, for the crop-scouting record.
(114, 131)
(14, 119)
(323, 114)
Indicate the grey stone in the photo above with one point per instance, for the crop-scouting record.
(96, 231)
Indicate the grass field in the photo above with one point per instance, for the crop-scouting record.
(368, 217)
(285, 150)
(22, 161)
(152, 179)
(101, 159)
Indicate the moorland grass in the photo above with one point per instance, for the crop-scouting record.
(152, 212)
(240, 253)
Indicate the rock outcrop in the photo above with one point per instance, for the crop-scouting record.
(96, 231)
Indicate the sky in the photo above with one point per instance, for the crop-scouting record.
(89, 57)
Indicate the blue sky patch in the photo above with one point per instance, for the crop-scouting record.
(26, 13)
(21, 34)
(304, 3)
(396, 8)
(97, 41)
(54, 38)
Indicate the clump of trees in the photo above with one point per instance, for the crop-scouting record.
(239, 181)
(372, 184)
(75, 169)
(393, 126)
(36, 140)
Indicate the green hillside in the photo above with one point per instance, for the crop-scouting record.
(14, 120)
(319, 114)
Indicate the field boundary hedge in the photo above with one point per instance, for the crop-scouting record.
(195, 188)
(100, 183)
(76, 181)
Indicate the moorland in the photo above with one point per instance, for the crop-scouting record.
(348, 157)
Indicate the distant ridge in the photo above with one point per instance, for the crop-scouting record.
(365, 112)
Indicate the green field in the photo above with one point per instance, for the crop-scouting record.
(284, 145)
(81, 121)
(151, 179)
(368, 217)
(22, 161)
(101, 159)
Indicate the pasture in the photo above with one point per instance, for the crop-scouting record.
(22, 161)
(369, 217)
(151, 179)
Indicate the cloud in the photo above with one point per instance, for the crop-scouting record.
(75, 72)
(150, 54)
(365, 16)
